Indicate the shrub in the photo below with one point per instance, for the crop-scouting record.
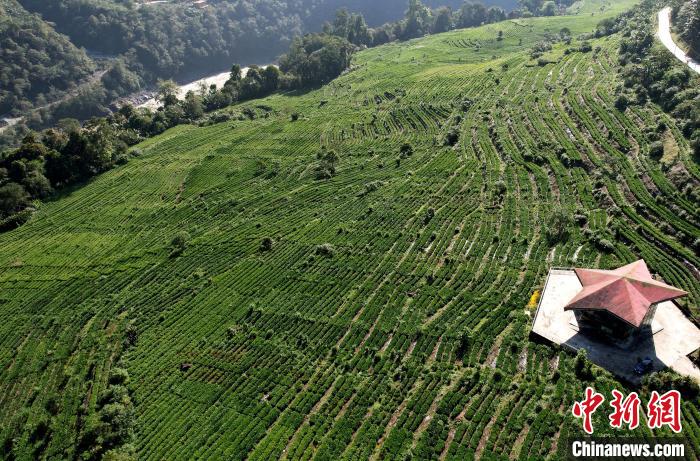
(585, 47)
(664, 381)
(452, 136)
(16, 220)
(605, 245)
(500, 187)
(179, 242)
(118, 376)
(406, 150)
(266, 244)
(656, 150)
(326, 168)
(429, 215)
(326, 250)
(582, 367)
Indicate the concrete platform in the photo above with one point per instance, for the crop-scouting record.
(673, 337)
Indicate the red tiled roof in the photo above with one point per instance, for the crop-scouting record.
(627, 292)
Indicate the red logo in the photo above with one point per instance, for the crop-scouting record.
(665, 410)
(587, 407)
(662, 410)
(626, 411)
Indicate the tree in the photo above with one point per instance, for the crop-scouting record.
(270, 79)
(327, 165)
(316, 58)
(582, 367)
(463, 344)
(417, 20)
(167, 92)
(549, 8)
(13, 198)
(341, 24)
(495, 14)
(443, 20)
(179, 242)
(359, 32)
(37, 185)
(235, 75)
(557, 226)
(471, 14)
(266, 244)
(192, 105)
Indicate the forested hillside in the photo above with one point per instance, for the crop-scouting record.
(133, 44)
(381, 12)
(37, 65)
(687, 21)
(349, 271)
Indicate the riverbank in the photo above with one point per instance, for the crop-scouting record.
(148, 99)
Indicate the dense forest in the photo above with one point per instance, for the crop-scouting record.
(651, 73)
(38, 64)
(687, 21)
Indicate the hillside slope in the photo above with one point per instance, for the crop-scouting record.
(38, 64)
(387, 313)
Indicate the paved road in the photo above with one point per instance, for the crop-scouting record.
(664, 35)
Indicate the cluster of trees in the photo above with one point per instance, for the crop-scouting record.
(109, 432)
(135, 43)
(686, 18)
(59, 157)
(652, 73)
(420, 20)
(38, 64)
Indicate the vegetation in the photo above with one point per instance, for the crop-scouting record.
(70, 154)
(38, 65)
(652, 73)
(686, 18)
(386, 315)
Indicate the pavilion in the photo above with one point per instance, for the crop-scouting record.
(619, 302)
(619, 317)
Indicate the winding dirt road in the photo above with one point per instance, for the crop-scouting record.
(664, 35)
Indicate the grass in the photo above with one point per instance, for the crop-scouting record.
(241, 353)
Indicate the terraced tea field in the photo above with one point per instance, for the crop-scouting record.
(345, 339)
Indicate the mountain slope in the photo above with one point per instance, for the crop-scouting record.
(344, 336)
(38, 64)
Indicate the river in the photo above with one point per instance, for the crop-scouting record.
(216, 79)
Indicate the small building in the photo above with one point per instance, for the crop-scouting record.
(619, 303)
(619, 317)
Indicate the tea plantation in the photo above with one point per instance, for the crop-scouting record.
(348, 273)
